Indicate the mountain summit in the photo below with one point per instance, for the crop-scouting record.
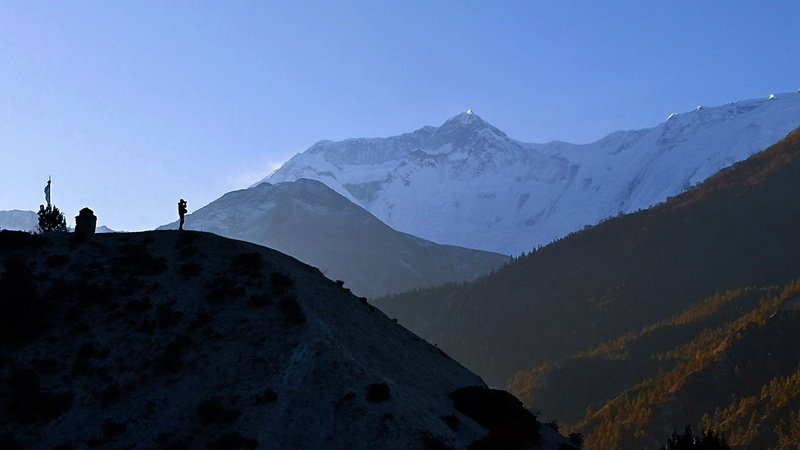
(467, 183)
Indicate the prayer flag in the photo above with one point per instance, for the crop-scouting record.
(47, 192)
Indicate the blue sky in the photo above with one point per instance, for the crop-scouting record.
(131, 105)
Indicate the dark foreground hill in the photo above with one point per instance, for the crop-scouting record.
(189, 340)
(313, 223)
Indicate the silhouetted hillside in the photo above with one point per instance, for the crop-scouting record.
(311, 222)
(738, 229)
(189, 340)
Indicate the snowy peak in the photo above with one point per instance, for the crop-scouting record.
(467, 183)
(465, 130)
(18, 220)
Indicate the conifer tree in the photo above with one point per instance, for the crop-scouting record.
(51, 219)
(708, 440)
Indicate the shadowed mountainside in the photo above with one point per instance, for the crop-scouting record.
(311, 222)
(728, 363)
(737, 229)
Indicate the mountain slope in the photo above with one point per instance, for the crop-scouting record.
(190, 340)
(314, 224)
(728, 363)
(467, 183)
(738, 229)
(18, 220)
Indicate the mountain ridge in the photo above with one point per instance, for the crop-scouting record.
(737, 229)
(311, 222)
(467, 183)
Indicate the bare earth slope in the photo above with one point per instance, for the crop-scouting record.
(190, 340)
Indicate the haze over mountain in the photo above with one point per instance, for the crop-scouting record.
(190, 340)
(311, 222)
(467, 183)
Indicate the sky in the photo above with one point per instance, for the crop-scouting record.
(131, 105)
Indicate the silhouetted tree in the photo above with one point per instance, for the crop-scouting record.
(708, 440)
(51, 219)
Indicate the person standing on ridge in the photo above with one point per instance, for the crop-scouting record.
(181, 212)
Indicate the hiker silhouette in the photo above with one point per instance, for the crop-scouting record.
(181, 212)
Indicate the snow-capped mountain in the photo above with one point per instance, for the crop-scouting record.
(467, 183)
(311, 222)
(18, 220)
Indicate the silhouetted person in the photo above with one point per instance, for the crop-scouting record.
(181, 212)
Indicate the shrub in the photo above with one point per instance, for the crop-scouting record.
(187, 252)
(233, 440)
(280, 283)
(28, 403)
(56, 260)
(202, 319)
(212, 410)
(138, 307)
(259, 300)
(113, 428)
(487, 442)
(291, 310)
(451, 421)
(135, 259)
(250, 264)
(187, 237)
(499, 412)
(378, 392)
(93, 294)
(222, 289)
(167, 316)
(111, 394)
(576, 439)
(345, 398)
(432, 442)
(268, 396)
(171, 360)
(189, 270)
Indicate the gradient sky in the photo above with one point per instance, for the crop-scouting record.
(131, 105)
